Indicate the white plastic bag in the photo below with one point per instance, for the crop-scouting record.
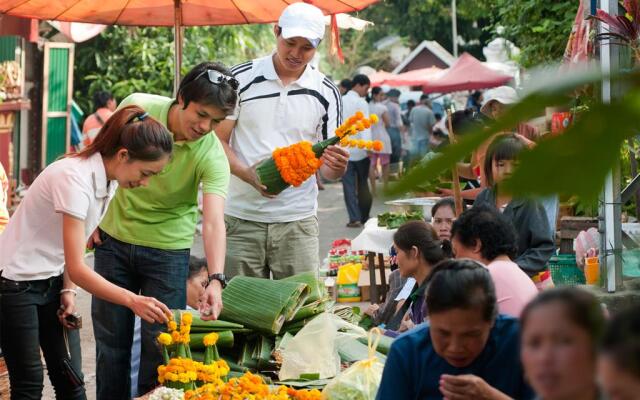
(314, 350)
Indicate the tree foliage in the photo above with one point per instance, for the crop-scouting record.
(124, 60)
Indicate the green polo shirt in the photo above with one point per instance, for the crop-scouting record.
(163, 215)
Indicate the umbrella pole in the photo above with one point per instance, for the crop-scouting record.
(177, 53)
(457, 194)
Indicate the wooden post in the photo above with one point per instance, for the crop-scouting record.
(383, 278)
(373, 287)
(457, 195)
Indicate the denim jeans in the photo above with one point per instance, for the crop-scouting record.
(28, 310)
(151, 272)
(396, 144)
(355, 186)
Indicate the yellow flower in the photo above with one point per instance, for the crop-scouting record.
(210, 339)
(187, 318)
(373, 118)
(172, 325)
(165, 339)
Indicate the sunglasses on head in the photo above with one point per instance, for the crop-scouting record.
(218, 78)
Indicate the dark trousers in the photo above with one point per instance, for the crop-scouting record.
(396, 144)
(355, 186)
(29, 322)
(151, 272)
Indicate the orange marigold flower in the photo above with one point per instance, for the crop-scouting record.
(361, 143)
(369, 145)
(377, 145)
(366, 123)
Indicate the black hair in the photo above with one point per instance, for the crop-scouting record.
(424, 97)
(439, 133)
(346, 83)
(411, 103)
(360, 79)
(196, 264)
(443, 202)
(437, 116)
(421, 235)
(131, 128)
(621, 340)
(462, 121)
(196, 87)
(487, 225)
(101, 98)
(476, 95)
(462, 284)
(376, 91)
(581, 308)
(505, 147)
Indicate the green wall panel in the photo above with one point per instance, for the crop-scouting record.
(58, 79)
(8, 46)
(56, 138)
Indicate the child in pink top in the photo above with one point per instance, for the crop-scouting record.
(483, 234)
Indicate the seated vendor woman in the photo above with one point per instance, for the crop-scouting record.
(419, 250)
(466, 351)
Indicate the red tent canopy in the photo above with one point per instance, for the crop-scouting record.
(467, 73)
(380, 77)
(415, 77)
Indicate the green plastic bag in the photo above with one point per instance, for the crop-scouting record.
(360, 381)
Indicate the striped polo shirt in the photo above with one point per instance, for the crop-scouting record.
(271, 115)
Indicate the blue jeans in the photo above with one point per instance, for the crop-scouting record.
(396, 144)
(151, 272)
(28, 310)
(355, 186)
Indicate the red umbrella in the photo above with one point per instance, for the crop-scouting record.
(415, 77)
(176, 13)
(380, 77)
(467, 73)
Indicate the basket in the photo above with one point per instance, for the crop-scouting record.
(565, 271)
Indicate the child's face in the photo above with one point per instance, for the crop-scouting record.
(502, 169)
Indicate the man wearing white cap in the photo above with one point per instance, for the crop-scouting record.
(282, 100)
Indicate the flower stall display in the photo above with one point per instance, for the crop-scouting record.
(294, 164)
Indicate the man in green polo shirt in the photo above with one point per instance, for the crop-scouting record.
(145, 238)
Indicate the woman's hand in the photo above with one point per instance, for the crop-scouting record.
(150, 309)
(67, 307)
(468, 387)
(406, 324)
(372, 310)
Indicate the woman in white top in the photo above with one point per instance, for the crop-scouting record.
(42, 252)
(379, 132)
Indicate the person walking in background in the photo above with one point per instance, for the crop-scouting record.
(105, 105)
(422, 121)
(379, 132)
(4, 190)
(345, 86)
(355, 185)
(395, 124)
(474, 101)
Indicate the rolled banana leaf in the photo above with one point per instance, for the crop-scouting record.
(262, 304)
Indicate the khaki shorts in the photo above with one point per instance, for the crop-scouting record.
(260, 249)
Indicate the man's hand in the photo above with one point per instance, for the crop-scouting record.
(334, 162)
(468, 387)
(67, 307)
(372, 310)
(250, 176)
(94, 239)
(211, 301)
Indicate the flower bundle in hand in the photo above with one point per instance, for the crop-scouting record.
(292, 165)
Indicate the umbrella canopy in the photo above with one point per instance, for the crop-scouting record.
(161, 12)
(176, 13)
(415, 77)
(467, 73)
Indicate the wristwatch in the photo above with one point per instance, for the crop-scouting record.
(220, 278)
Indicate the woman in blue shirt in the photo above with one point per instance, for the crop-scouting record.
(467, 350)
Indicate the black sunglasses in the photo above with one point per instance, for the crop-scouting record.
(218, 78)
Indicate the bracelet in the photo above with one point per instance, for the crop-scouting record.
(75, 292)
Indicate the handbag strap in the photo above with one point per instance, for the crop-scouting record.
(66, 341)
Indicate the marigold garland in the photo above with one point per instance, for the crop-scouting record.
(296, 163)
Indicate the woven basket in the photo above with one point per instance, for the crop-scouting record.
(565, 271)
(4, 380)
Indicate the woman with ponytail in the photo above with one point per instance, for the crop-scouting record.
(419, 250)
(42, 253)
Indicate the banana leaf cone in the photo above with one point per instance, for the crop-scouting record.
(270, 176)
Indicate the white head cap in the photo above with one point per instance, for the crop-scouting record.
(302, 20)
(503, 94)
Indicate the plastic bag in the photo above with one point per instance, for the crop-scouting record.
(360, 381)
(314, 350)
